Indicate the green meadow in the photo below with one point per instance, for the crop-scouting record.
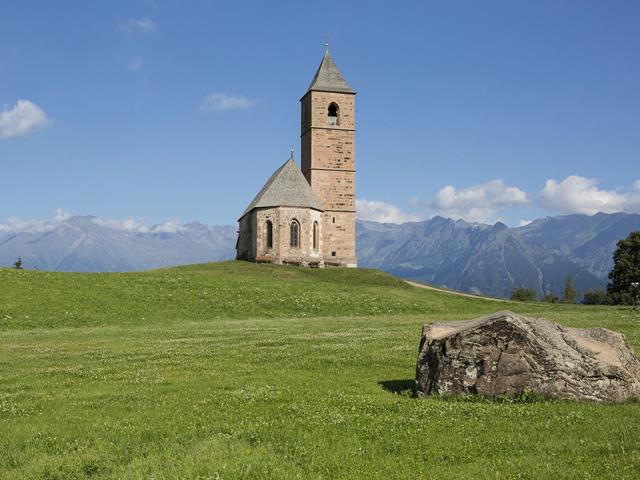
(236, 370)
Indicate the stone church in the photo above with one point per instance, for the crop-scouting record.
(306, 216)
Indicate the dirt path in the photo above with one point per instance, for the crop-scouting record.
(460, 294)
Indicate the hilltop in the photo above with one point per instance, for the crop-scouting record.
(238, 370)
(211, 291)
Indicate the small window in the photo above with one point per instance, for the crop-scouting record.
(269, 233)
(334, 219)
(333, 114)
(294, 234)
(333, 254)
(315, 235)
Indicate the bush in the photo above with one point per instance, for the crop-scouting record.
(595, 297)
(523, 295)
(551, 298)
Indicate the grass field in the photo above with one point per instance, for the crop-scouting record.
(236, 370)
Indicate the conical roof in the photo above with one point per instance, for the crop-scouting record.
(328, 78)
(287, 187)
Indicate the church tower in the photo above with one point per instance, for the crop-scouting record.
(328, 158)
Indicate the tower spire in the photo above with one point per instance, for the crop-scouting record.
(328, 78)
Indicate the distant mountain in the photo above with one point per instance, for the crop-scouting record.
(495, 259)
(88, 244)
(472, 257)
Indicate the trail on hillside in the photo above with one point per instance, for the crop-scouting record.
(460, 294)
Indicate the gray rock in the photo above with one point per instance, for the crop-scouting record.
(508, 354)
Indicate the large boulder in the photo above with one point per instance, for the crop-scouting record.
(508, 354)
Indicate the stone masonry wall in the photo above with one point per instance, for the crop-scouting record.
(246, 248)
(340, 237)
(328, 163)
(281, 217)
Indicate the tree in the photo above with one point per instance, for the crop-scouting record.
(570, 294)
(18, 264)
(626, 271)
(523, 295)
(595, 297)
(551, 298)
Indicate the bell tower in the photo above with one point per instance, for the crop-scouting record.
(328, 158)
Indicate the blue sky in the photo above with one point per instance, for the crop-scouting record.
(165, 110)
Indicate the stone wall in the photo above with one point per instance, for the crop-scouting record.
(339, 236)
(281, 251)
(328, 163)
(246, 247)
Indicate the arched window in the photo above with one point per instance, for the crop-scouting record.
(315, 235)
(269, 233)
(294, 234)
(333, 114)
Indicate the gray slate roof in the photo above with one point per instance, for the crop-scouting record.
(328, 78)
(287, 187)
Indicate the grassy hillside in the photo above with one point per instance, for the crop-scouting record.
(236, 370)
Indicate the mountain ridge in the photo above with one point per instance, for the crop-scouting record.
(471, 257)
(495, 259)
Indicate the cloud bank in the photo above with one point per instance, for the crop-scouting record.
(21, 119)
(14, 225)
(576, 194)
(134, 226)
(224, 101)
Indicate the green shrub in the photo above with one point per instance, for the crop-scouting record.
(523, 295)
(595, 297)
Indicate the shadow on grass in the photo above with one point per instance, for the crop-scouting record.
(406, 388)
(399, 387)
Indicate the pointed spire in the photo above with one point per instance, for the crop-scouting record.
(328, 78)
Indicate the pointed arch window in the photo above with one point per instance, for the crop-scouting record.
(294, 234)
(269, 233)
(333, 114)
(315, 235)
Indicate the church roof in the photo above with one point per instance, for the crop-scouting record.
(287, 187)
(328, 78)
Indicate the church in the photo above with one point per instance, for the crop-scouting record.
(306, 215)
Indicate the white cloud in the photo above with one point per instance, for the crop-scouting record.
(524, 223)
(224, 101)
(21, 119)
(637, 185)
(135, 226)
(15, 225)
(138, 25)
(478, 203)
(172, 226)
(378, 211)
(135, 64)
(576, 194)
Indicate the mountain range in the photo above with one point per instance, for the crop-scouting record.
(495, 259)
(471, 257)
(90, 244)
